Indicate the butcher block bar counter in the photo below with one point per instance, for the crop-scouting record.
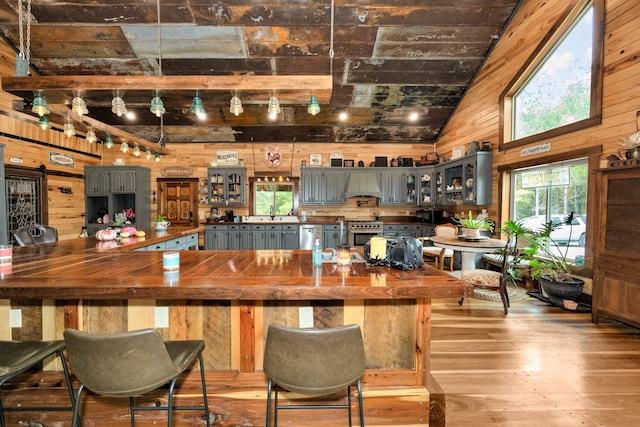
(228, 299)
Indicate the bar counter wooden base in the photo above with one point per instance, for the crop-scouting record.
(228, 298)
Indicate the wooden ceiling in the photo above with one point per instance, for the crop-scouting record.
(390, 58)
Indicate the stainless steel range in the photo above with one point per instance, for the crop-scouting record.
(360, 231)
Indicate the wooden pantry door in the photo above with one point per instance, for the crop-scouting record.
(178, 200)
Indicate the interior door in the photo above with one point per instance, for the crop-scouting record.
(179, 201)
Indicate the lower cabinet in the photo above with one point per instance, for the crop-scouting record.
(182, 243)
(331, 235)
(216, 237)
(239, 237)
(251, 236)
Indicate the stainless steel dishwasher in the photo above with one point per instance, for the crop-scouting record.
(308, 235)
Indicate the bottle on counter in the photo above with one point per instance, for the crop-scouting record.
(316, 254)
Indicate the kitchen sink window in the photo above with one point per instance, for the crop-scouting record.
(273, 196)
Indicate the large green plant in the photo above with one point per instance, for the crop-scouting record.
(482, 223)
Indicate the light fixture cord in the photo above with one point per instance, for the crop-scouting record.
(331, 52)
(25, 51)
(159, 40)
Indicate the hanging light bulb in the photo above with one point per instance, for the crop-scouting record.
(124, 147)
(44, 123)
(236, 106)
(157, 106)
(197, 108)
(40, 105)
(91, 136)
(148, 154)
(314, 106)
(118, 106)
(157, 158)
(78, 106)
(274, 107)
(69, 129)
(136, 151)
(108, 141)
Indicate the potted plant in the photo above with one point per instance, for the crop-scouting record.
(472, 226)
(548, 263)
(631, 146)
(162, 223)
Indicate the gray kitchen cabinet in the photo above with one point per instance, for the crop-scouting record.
(398, 186)
(259, 236)
(323, 186)
(467, 180)
(216, 237)
(291, 236)
(114, 189)
(226, 186)
(331, 235)
(273, 237)
(426, 185)
(390, 230)
(240, 236)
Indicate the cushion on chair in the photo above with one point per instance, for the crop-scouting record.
(483, 278)
(433, 251)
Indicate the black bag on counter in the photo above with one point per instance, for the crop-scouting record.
(403, 253)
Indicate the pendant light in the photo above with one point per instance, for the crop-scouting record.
(91, 136)
(118, 106)
(79, 106)
(148, 154)
(314, 106)
(197, 108)
(274, 108)
(124, 147)
(235, 106)
(157, 106)
(108, 141)
(44, 123)
(40, 105)
(136, 151)
(69, 129)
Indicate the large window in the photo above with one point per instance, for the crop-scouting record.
(559, 89)
(551, 192)
(273, 197)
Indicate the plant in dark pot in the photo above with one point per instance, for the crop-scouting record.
(548, 263)
(631, 147)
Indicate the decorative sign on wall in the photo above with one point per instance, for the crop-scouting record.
(227, 158)
(530, 151)
(61, 159)
(273, 156)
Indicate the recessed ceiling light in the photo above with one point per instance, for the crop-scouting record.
(343, 116)
(413, 116)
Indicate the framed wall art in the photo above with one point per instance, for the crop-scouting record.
(315, 159)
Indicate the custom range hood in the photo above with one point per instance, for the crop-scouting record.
(363, 183)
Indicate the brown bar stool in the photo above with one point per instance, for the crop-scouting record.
(129, 364)
(314, 362)
(17, 357)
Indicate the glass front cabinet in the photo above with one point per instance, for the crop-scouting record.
(226, 186)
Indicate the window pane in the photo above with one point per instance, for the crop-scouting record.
(273, 198)
(559, 92)
(552, 192)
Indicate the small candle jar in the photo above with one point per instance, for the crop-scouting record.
(344, 254)
(171, 261)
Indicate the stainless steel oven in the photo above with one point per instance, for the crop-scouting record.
(359, 232)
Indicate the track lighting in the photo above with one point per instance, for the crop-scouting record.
(314, 106)
(118, 106)
(69, 129)
(44, 123)
(108, 141)
(40, 105)
(157, 106)
(236, 106)
(78, 106)
(91, 136)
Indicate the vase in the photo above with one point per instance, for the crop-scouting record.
(472, 232)
(633, 153)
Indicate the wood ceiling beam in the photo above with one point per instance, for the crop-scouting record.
(320, 85)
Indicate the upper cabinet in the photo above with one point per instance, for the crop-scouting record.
(323, 186)
(398, 186)
(226, 186)
(466, 180)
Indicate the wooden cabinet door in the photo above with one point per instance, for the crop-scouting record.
(179, 201)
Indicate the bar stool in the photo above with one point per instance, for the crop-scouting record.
(18, 356)
(314, 362)
(35, 234)
(129, 364)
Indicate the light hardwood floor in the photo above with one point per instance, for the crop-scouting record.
(537, 366)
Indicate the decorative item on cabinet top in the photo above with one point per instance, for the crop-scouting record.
(177, 171)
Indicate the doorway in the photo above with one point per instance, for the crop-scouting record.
(178, 201)
(26, 198)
